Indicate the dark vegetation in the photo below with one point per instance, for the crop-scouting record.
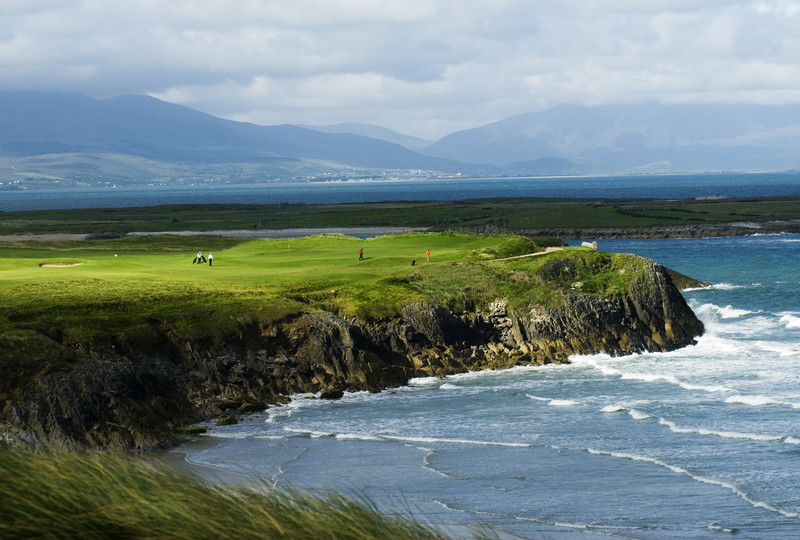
(479, 215)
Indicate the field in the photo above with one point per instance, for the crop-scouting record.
(506, 214)
(96, 291)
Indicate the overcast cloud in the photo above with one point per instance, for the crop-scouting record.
(422, 67)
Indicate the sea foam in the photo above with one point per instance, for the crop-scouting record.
(790, 320)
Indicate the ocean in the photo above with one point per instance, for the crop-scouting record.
(703, 442)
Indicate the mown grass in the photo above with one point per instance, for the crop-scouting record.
(126, 288)
(99, 496)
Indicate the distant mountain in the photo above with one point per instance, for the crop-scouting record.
(375, 132)
(626, 138)
(49, 138)
(36, 126)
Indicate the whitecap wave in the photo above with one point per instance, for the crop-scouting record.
(701, 288)
(638, 415)
(671, 379)
(648, 377)
(753, 401)
(280, 412)
(562, 402)
(224, 434)
(781, 349)
(537, 398)
(554, 402)
(722, 434)
(596, 361)
(790, 320)
(449, 386)
(310, 434)
(424, 381)
(430, 440)
(711, 481)
(713, 344)
(727, 286)
(602, 363)
(719, 528)
(705, 388)
(730, 312)
(614, 408)
(357, 437)
(760, 401)
(481, 375)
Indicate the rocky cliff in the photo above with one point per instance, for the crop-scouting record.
(121, 397)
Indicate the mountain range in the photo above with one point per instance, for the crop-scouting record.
(53, 138)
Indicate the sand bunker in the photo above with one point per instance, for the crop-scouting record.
(59, 264)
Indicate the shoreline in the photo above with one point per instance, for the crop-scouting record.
(714, 230)
(178, 458)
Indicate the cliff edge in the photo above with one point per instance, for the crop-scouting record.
(123, 398)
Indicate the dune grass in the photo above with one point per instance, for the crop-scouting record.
(99, 496)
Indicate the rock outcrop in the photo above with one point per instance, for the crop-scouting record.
(125, 398)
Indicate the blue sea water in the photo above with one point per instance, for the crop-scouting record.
(633, 186)
(703, 442)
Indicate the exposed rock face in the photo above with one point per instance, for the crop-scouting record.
(127, 399)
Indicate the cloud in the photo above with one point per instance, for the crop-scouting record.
(425, 67)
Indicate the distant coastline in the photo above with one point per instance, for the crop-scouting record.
(717, 230)
(711, 230)
(660, 186)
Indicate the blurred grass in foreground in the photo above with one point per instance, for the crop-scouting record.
(66, 495)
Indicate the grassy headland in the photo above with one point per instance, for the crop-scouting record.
(117, 288)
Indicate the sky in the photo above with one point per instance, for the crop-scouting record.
(421, 67)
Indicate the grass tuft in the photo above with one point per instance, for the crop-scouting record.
(98, 496)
